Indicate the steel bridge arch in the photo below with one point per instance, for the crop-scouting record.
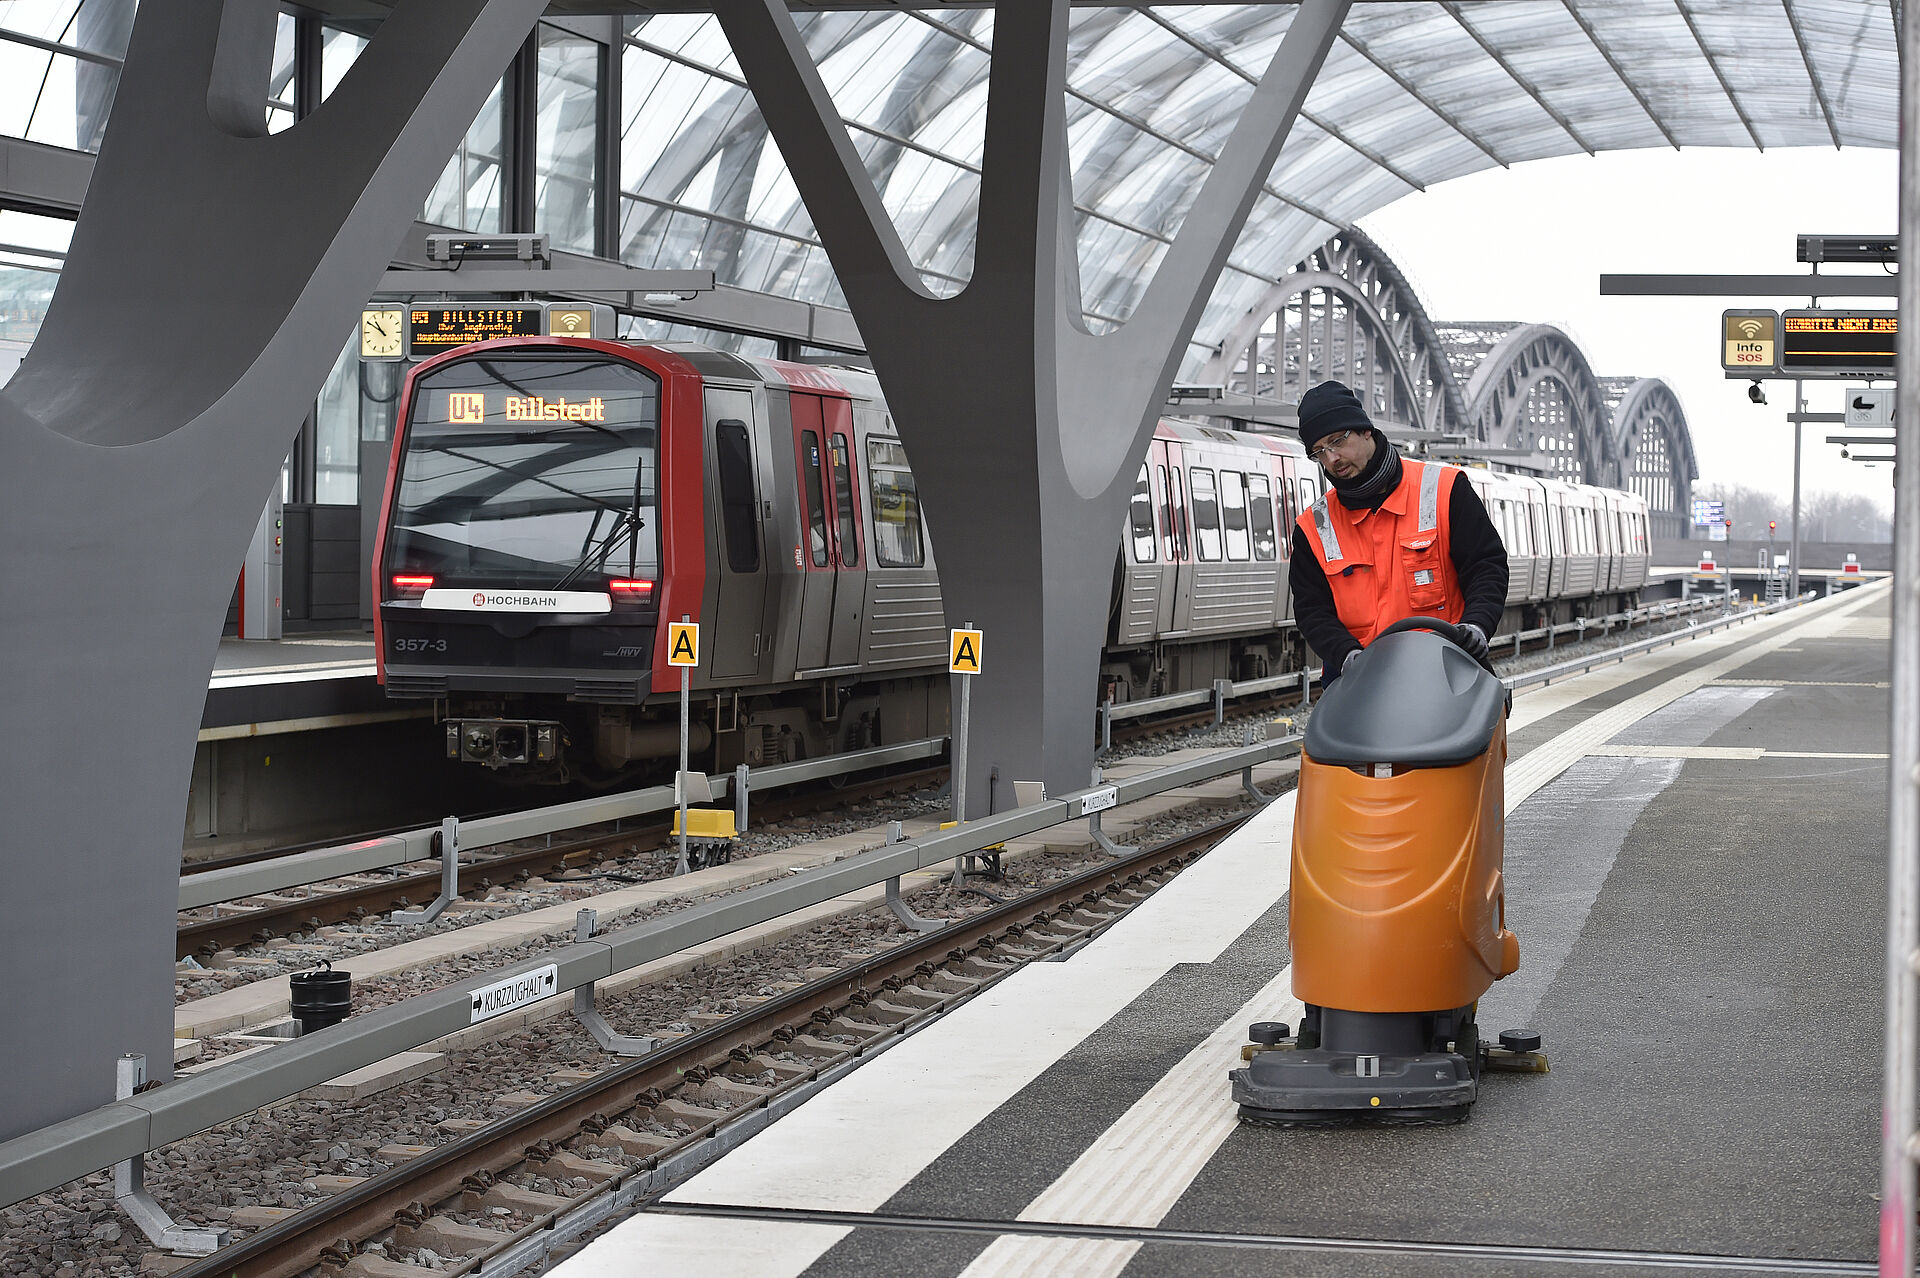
(1536, 393)
(1650, 432)
(1384, 346)
(1524, 396)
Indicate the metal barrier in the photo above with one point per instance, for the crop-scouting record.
(1581, 665)
(235, 882)
(132, 1127)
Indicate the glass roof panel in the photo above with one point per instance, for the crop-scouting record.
(1154, 93)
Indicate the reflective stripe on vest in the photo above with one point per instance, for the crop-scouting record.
(1429, 497)
(1329, 542)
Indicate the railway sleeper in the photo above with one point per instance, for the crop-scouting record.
(632, 1143)
(446, 1236)
(693, 1114)
(526, 1202)
(561, 1163)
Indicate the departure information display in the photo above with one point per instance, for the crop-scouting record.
(432, 329)
(1837, 343)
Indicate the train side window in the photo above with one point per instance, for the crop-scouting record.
(843, 500)
(1260, 502)
(1307, 495)
(1169, 543)
(1140, 516)
(896, 507)
(739, 497)
(1180, 513)
(1233, 512)
(1206, 514)
(815, 492)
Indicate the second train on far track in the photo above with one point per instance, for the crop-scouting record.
(552, 502)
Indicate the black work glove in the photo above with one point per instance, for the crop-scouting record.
(1474, 640)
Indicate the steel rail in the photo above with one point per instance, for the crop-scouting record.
(288, 1248)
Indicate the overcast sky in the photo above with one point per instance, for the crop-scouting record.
(1530, 243)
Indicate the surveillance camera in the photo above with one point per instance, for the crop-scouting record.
(1755, 394)
(1843, 452)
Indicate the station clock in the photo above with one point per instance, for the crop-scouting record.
(383, 333)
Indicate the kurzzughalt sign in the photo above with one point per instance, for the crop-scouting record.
(575, 601)
(505, 995)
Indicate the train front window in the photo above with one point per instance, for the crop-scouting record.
(530, 473)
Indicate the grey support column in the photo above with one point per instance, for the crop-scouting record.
(214, 273)
(1024, 429)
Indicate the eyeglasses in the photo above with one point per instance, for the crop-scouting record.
(1325, 450)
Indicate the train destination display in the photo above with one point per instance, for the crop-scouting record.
(432, 329)
(1837, 343)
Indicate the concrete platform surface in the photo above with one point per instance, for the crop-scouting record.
(1695, 861)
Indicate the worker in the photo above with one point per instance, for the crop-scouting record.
(1392, 538)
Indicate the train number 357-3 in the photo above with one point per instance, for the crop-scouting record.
(419, 645)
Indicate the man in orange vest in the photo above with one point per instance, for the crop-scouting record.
(1393, 538)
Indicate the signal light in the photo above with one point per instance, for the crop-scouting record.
(632, 589)
(407, 584)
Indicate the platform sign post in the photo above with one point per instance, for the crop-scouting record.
(683, 650)
(963, 663)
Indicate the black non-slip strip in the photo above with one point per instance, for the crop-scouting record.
(1285, 1242)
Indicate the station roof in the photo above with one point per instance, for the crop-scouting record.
(1413, 92)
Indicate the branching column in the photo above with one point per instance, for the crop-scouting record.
(1025, 430)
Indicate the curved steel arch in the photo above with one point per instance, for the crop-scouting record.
(1402, 370)
(1650, 431)
(1510, 398)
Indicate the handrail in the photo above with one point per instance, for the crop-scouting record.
(1580, 665)
(53, 1155)
(231, 883)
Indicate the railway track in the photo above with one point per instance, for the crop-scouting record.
(634, 1130)
(251, 920)
(207, 931)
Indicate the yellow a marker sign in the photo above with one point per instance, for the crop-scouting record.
(683, 643)
(963, 656)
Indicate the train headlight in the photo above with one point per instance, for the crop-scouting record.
(479, 743)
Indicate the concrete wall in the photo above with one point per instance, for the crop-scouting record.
(1746, 554)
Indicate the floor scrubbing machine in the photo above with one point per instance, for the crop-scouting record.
(1397, 909)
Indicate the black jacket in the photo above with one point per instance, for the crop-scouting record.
(1479, 560)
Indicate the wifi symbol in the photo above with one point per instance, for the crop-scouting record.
(1750, 328)
(571, 323)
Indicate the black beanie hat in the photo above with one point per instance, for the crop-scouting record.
(1327, 408)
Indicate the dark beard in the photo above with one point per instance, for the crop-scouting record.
(1371, 486)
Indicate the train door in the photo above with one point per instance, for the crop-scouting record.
(739, 559)
(1167, 560)
(1181, 613)
(829, 550)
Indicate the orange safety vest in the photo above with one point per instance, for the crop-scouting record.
(1394, 562)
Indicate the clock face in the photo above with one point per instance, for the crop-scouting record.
(382, 333)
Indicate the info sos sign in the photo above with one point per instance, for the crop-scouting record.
(1750, 341)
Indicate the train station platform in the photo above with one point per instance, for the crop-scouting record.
(295, 684)
(1695, 859)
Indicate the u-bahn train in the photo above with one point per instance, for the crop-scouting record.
(552, 503)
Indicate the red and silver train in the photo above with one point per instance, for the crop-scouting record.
(552, 503)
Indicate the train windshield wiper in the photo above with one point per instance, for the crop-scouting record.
(630, 523)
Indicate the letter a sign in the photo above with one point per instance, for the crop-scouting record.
(683, 643)
(964, 655)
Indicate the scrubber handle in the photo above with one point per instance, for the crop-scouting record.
(1445, 629)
